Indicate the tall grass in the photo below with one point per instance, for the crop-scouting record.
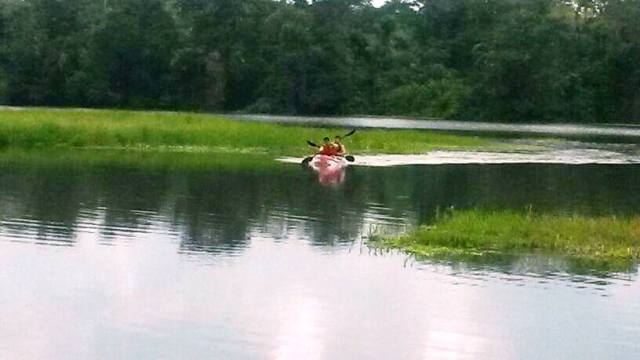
(44, 128)
(479, 231)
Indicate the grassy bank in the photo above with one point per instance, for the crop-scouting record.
(487, 233)
(189, 132)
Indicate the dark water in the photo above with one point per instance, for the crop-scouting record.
(123, 262)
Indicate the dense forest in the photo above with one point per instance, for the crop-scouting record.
(494, 60)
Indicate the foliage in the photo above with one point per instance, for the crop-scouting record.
(498, 60)
(436, 98)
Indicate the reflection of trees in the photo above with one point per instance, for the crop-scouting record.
(586, 189)
(218, 211)
(48, 202)
(546, 265)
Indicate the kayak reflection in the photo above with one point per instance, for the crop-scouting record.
(331, 170)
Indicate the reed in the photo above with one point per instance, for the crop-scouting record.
(482, 233)
(46, 128)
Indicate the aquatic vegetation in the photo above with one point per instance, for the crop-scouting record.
(192, 132)
(482, 233)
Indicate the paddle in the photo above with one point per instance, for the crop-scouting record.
(350, 133)
(348, 157)
(306, 160)
(346, 135)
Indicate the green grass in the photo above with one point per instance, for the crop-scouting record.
(191, 132)
(480, 233)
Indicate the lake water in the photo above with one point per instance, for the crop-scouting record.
(117, 261)
(620, 132)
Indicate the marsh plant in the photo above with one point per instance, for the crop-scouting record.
(192, 132)
(478, 233)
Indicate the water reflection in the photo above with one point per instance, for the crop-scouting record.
(213, 263)
(217, 211)
(331, 170)
(331, 177)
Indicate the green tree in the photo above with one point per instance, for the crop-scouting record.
(133, 52)
(221, 51)
(524, 71)
(621, 19)
(507, 60)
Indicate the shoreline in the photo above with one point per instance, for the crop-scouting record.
(36, 128)
(386, 122)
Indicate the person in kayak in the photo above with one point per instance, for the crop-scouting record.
(327, 148)
(338, 146)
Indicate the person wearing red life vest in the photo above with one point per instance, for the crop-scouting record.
(327, 148)
(339, 147)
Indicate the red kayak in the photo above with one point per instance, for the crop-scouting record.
(328, 162)
(330, 168)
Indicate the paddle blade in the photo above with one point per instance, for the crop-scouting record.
(350, 158)
(312, 144)
(306, 160)
(351, 133)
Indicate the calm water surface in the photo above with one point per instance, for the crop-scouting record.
(129, 263)
(629, 132)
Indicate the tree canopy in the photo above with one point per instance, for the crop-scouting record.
(492, 60)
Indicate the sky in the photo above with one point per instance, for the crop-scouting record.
(378, 3)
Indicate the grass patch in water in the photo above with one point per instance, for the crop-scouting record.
(167, 131)
(482, 234)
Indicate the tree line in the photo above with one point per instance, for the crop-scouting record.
(493, 60)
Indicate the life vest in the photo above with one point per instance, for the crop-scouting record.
(328, 150)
